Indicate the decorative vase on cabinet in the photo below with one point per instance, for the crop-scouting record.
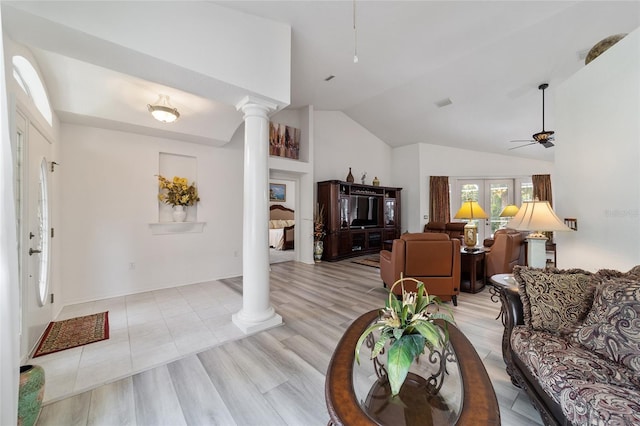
(179, 214)
(350, 178)
(30, 394)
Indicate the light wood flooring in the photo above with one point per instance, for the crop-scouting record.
(276, 377)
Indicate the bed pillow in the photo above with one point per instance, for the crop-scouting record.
(554, 300)
(612, 326)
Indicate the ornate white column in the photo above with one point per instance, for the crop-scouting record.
(257, 313)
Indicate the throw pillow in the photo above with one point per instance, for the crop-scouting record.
(612, 326)
(554, 300)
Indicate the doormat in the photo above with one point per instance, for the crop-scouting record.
(67, 334)
(373, 261)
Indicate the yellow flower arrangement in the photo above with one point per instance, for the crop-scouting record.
(177, 192)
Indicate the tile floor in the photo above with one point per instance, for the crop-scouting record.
(145, 330)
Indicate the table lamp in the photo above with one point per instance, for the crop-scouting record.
(509, 211)
(470, 210)
(537, 216)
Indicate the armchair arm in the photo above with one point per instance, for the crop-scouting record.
(391, 263)
(513, 314)
(512, 304)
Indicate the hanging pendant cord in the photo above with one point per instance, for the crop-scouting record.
(355, 35)
(543, 110)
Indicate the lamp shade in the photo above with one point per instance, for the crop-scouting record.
(537, 216)
(509, 211)
(471, 210)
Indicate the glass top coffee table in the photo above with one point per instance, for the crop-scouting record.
(439, 389)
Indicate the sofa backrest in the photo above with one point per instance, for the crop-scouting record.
(452, 229)
(435, 227)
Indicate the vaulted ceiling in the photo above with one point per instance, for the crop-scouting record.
(485, 59)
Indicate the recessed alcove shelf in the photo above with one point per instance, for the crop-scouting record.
(164, 228)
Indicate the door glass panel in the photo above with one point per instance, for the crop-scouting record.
(469, 192)
(499, 194)
(526, 191)
(43, 231)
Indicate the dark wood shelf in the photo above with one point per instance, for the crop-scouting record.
(348, 235)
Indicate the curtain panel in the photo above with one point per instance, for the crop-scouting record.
(439, 210)
(542, 188)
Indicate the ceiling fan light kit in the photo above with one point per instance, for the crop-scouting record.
(545, 137)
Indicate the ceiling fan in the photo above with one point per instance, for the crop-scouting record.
(545, 137)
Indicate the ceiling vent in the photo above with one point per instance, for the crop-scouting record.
(443, 103)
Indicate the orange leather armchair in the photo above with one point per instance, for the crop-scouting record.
(506, 252)
(432, 258)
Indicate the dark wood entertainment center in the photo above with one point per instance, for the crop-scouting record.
(358, 218)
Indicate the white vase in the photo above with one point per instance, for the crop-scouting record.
(179, 214)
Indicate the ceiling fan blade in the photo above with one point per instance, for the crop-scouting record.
(547, 144)
(522, 146)
(522, 140)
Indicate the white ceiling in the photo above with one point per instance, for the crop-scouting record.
(487, 57)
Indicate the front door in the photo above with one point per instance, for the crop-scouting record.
(35, 233)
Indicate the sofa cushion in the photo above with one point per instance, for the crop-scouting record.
(600, 404)
(554, 300)
(612, 326)
(589, 389)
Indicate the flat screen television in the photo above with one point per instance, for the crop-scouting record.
(365, 211)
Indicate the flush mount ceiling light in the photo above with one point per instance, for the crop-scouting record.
(163, 111)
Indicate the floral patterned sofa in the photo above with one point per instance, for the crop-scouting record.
(572, 341)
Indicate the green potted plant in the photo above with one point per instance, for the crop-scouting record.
(408, 325)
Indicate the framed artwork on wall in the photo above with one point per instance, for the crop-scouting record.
(284, 141)
(277, 192)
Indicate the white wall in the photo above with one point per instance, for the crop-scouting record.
(109, 198)
(406, 174)
(341, 143)
(598, 159)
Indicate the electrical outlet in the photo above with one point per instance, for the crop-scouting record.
(132, 266)
(426, 216)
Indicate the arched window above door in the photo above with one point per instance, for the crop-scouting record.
(28, 79)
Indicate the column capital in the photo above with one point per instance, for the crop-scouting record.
(253, 105)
